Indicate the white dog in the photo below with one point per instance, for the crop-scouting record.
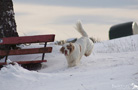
(74, 51)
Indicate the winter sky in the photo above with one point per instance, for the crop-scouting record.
(58, 17)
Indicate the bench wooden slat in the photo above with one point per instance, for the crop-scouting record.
(26, 62)
(27, 39)
(26, 51)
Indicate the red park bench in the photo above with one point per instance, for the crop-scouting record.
(24, 40)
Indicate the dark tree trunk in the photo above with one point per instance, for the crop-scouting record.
(7, 19)
(7, 23)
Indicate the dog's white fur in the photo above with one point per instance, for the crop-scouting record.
(74, 51)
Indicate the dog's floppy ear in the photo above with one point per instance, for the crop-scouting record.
(71, 47)
(70, 44)
(62, 50)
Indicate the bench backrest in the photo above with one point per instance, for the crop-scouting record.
(23, 40)
(27, 39)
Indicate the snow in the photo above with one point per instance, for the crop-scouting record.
(112, 66)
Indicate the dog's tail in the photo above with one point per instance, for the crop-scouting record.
(80, 29)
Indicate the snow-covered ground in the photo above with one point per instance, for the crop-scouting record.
(113, 65)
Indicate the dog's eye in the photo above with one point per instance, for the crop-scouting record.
(68, 47)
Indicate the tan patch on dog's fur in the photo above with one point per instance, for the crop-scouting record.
(69, 47)
(62, 50)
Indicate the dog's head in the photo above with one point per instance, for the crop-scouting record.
(67, 49)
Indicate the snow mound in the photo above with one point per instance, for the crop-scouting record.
(112, 66)
(125, 44)
(15, 73)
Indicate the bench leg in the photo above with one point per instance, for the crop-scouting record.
(6, 59)
(43, 55)
(7, 54)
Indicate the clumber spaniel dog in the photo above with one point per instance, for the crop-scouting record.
(74, 51)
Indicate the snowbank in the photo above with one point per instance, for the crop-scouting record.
(125, 44)
(109, 67)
